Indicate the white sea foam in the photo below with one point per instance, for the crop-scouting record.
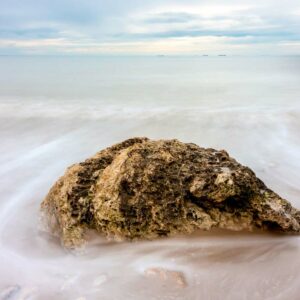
(40, 137)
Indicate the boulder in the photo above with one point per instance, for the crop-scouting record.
(143, 189)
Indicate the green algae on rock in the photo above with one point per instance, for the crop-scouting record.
(145, 189)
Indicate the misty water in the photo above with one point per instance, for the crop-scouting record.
(55, 111)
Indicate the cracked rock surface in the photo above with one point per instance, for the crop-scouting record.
(142, 188)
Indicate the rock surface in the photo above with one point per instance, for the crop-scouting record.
(145, 189)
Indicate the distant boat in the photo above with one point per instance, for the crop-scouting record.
(205, 55)
(222, 55)
(160, 55)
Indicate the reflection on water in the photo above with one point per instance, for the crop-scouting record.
(41, 137)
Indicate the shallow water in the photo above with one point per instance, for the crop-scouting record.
(56, 111)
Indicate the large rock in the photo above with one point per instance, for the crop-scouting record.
(146, 189)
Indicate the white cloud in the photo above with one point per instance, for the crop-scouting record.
(144, 27)
(206, 11)
(35, 43)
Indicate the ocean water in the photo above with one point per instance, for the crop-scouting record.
(55, 111)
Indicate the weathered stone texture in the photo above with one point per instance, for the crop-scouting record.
(144, 189)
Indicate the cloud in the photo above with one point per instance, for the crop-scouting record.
(148, 27)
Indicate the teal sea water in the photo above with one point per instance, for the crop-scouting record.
(55, 111)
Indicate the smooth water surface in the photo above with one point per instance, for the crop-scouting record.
(55, 111)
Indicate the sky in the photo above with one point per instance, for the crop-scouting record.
(142, 27)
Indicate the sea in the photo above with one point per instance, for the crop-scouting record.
(59, 110)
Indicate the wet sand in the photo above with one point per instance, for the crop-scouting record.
(37, 146)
